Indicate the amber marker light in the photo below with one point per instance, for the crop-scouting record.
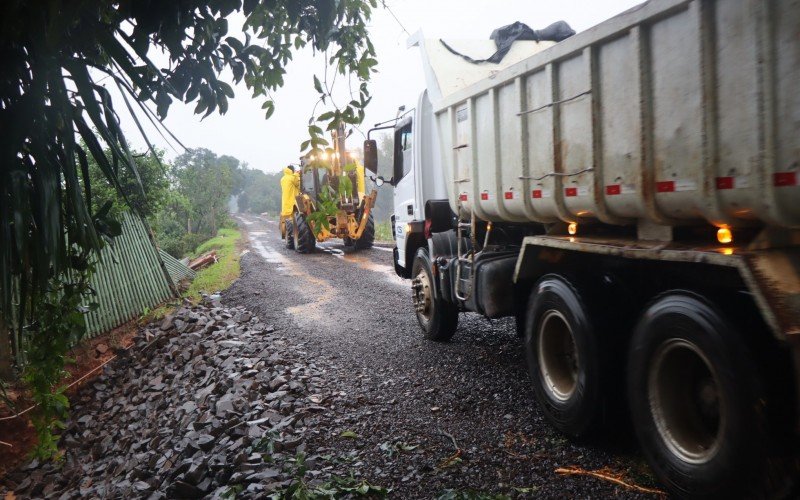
(572, 228)
(724, 235)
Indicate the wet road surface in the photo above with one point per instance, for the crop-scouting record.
(430, 418)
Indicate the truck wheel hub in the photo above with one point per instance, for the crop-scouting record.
(685, 401)
(421, 294)
(558, 358)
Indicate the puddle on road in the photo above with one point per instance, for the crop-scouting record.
(336, 252)
(268, 253)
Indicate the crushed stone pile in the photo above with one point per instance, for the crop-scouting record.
(209, 402)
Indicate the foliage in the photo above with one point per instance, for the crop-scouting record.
(384, 231)
(58, 324)
(221, 274)
(336, 487)
(384, 204)
(205, 180)
(258, 191)
(326, 207)
(50, 90)
(397, 447)
(57, 54)
(146, 192)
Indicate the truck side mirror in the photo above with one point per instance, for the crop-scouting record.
(371, 155)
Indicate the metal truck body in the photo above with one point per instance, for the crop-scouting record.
(632, 196)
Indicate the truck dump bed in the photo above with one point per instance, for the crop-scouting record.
(672, 112)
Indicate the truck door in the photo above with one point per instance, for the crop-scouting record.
(405, 209)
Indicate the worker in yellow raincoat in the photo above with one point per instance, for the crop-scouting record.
(290, 188)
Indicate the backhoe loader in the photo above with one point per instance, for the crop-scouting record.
(332, 202)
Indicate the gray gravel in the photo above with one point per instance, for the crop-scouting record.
(318, 358)
(355, 319)
(209, 402)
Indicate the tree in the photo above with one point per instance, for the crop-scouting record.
(206, 181)
(50, 92)
(145, 194)
(260, 192)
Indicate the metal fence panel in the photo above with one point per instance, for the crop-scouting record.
(128, 279)
(178, 271)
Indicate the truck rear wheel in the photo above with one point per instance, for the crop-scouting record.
(289, 234)
(563, 357)
(438, 318)
(695, 399)
(304, 241)
(368, 236)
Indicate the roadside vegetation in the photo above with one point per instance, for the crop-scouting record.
(383, 231)
(221, 274)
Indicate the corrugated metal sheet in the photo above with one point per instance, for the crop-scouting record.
(177, 269)
(128, 280)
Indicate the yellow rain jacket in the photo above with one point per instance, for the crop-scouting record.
(290, 188)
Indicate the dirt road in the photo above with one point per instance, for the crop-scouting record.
(427, 417)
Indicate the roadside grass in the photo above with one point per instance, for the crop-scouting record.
(213, 278)
(383, 231)
(220, 275)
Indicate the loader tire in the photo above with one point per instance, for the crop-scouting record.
(304, 241)
(437, 317)
(368, 236)
(289, 235)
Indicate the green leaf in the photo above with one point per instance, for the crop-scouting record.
(349, 434)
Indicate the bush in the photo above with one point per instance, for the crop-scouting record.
(173, 246)
(228, 222)
(193, 240)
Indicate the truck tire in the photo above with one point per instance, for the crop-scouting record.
(289, 235)
(304, 241)
(368, 236)
(695, 400)
(563, 357)
(437, 318)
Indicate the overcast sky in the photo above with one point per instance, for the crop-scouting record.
(271, 144)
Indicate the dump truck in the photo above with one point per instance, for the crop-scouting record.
(332, 202)
(631, 197)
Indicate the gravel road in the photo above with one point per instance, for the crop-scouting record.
(429, 419)
(309, 376)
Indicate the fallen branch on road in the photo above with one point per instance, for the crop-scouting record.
(450, 436)
(451, 460)
(455, 457)
(606, 476)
